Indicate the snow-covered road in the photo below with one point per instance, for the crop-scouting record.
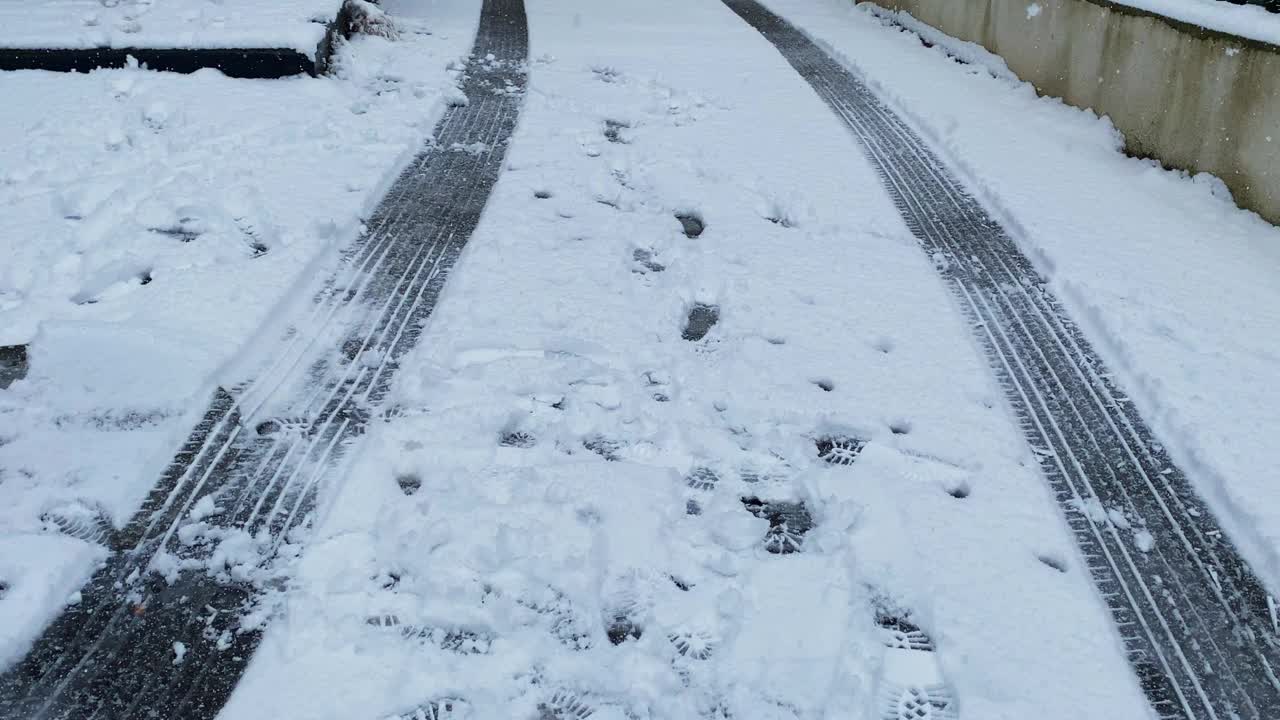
(573, 480)
(696, 429)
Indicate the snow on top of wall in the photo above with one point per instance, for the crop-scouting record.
(1246, 21)
(293, 24)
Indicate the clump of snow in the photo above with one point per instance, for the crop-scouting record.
(369, 19)
(1034, 10)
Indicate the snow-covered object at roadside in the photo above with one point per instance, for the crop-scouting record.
(292, 24)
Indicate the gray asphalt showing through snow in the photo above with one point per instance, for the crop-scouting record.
(1196, 623)
(140, 644)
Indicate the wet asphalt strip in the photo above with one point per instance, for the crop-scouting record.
(139, 644)
(1195, 621)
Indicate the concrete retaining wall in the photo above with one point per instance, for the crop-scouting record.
(1194, 99)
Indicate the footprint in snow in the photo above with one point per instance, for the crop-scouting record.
(613, 131)
(912, 689)
(79, 519)
(839, 449)
(564, 705)
(702, 478)
(702, 317)
(606, 448)
(410, 483)
(440, 709)
(691, 223)
(644, 259)
(788, 523)
(517, 439)
(606, 74)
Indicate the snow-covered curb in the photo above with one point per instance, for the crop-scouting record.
(154, 224)
(1246, 21)
(298, 25)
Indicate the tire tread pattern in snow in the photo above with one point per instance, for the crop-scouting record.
(137, 644)
(1196, 623)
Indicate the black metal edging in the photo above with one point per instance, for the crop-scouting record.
(1198, 627)
(138, 643)
(238, 63)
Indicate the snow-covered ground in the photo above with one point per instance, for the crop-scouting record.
(574, 506)
(568, 465)
(1179, 287)
(153, 224)
(291, 24)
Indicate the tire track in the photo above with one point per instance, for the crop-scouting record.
(163, 627)
(1198, 626)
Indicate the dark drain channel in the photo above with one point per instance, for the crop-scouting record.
(1195, 621)
(138, 645)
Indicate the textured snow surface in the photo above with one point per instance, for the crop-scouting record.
(1179, 288)
(568, 471)
(687, 285)
(153, 223)
(292, 24)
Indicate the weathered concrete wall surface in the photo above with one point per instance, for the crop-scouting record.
(1194, 99)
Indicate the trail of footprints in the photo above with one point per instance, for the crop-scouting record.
(910, 685)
